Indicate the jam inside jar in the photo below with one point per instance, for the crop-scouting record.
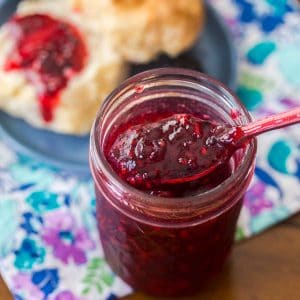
(169, 240)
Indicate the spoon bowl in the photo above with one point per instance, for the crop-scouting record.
(182, 148)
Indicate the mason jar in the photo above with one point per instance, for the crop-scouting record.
(160, 244)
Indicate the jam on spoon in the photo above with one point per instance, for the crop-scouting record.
(50, 52)
(182, 148)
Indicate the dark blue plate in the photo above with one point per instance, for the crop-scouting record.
(214, 51)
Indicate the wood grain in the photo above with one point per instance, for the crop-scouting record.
(4, 294)
(262, 268)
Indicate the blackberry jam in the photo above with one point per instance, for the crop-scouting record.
(166, 240)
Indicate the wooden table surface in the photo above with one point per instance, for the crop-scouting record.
(266, 267)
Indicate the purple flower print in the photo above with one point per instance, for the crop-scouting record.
(255, 199)
(23, 285)
(66, 295)
(67, 240)
(289, 103)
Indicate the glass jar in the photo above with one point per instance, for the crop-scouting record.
(168, 246)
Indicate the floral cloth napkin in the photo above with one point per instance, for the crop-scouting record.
(49, 246)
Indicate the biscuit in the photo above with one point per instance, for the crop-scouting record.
(142, 29)
(79, 101)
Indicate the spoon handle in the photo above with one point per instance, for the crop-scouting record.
(272, 122)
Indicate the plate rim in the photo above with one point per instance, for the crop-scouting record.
(232, 49)
(51, 162)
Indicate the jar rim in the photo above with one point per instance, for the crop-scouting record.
(206, 196)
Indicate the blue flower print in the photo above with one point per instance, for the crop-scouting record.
(283, 157)
(26, 171)
(268, 20)
(270, 23)
(47, 280)
(31, 223)
(247, 14)
(36, 286)
(258, 54)
(252, 98)
(8, 225)
(89, 215)
(268, 180)
(43, 201)
(29, 254)
(111, 297)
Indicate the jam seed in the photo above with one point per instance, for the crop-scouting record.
(203, 150)
(131, 180)
(182, 161)
(197, 130)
